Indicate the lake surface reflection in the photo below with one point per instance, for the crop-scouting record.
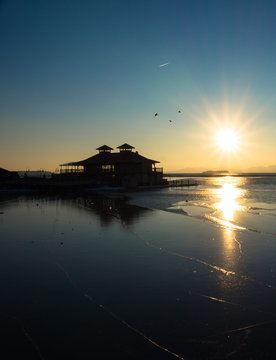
(229, 195)
(95, 276)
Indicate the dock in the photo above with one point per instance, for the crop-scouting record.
(182, 182)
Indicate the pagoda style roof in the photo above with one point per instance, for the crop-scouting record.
(107, 158)
(104, 148)
(125, 147)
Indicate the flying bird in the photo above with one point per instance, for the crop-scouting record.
(179, 111)
(155, 114)
(170, 120)
(165, 64)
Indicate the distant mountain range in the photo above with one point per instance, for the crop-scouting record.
(261, 169)
(188, 170)
(255, 169)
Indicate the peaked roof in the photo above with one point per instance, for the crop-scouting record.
(125, 146)
(104, 147)
(7, 173)
(4, 171)
(106, 158)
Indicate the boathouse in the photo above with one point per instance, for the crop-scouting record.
(8, 176)
(124, 167)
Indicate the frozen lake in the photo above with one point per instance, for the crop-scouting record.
(175, 273)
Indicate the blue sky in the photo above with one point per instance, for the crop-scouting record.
(79, 74)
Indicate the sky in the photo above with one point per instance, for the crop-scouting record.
(75, 75)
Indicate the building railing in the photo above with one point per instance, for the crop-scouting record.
(114, 171)
(106, 171)
(70, 171)
(158, 170)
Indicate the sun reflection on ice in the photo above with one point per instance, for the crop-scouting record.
(229, 197)
(227, 209)
(229, 238)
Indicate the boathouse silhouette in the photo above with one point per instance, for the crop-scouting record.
(7, 176)
(124, 167)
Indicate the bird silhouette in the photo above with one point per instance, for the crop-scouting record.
(155, 114)
(170, 120)
(179, 111)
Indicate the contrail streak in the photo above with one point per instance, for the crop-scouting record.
(165, 64)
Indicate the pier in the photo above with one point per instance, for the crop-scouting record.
(182, 182)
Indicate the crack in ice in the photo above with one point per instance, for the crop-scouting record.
(122, 321)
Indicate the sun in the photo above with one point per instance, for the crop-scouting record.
(227, 140)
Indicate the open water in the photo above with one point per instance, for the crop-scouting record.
(180, 273)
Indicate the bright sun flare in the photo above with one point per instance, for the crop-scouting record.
(227, 140)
